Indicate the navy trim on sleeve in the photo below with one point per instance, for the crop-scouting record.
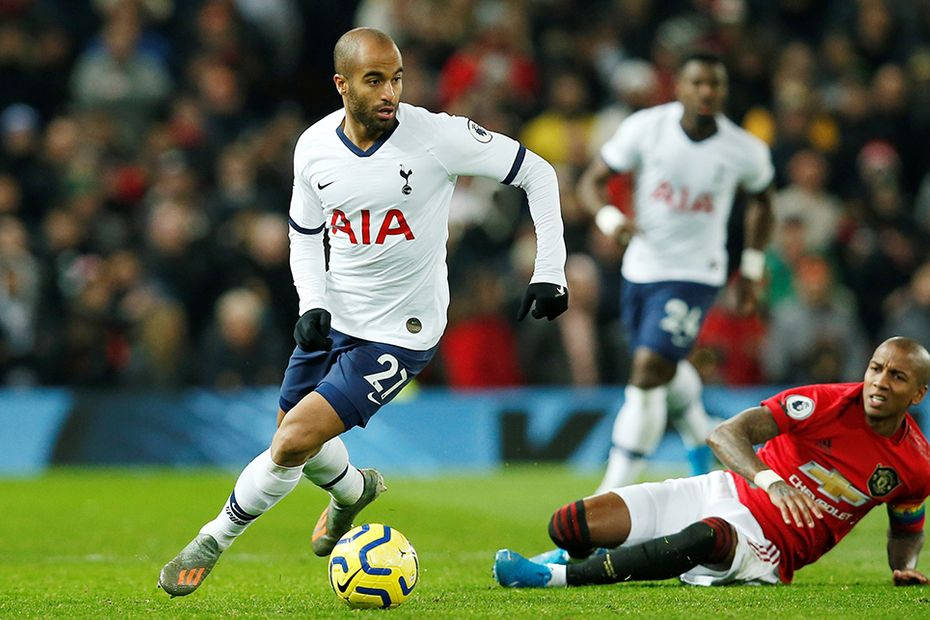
(515, 168)
(305, 231)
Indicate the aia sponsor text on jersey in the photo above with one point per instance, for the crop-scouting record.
(680, 200)
(394, 223)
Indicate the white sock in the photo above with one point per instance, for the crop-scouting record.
(638, 428)
(330, 470)
(686, 409)
(558, 576)
(260, 486)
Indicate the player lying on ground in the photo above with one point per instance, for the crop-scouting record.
(379, 174)
(832, 452)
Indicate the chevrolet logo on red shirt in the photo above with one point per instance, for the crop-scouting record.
(833, 484)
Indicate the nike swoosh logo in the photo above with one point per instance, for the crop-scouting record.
(371, 397)
(560, 291)
(322, 186)
(345, 586)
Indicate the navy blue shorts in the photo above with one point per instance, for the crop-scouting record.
(356, 377)
(666, 316)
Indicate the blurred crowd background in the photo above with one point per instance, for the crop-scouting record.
(146, 168)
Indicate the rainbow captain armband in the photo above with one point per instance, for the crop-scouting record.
(906, 518)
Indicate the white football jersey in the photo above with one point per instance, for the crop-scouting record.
(387, 209)
(683, 192)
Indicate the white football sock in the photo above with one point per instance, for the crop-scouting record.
(330, 470)
(558, 576)
(686, 409)
(261, 485)
(638, 428)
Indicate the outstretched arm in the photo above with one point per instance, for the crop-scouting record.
(547, 287)
(591, 184)
(905, 540)
(591, 190)
(758, 230)
(733, 443)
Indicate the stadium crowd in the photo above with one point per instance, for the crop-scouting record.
(145, 175)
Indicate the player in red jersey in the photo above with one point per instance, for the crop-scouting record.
(832, 452)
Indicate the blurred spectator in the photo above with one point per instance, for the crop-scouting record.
(180, 260)
(260, 262)
(909, 311)
(579, 328)
(240, 347)
(495, 63)
(807, 200)
(280, 25)
(120, 79)
(885, 247)
(782, 258)
(728, 348)
(634, 86)
(20, 134)
(237, 186)
(815, 338)
(561, 134)
(479, 347)
(586, 348)
(19, 299)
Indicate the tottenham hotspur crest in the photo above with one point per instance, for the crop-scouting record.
(406, 189)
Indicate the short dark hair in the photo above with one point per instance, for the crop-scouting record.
(917, 352)
(705, 56)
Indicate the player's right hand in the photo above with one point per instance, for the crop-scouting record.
(312, 331)
(795, 506)
(613, 223)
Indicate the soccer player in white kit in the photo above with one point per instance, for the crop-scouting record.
(687, 160)
(379, 174)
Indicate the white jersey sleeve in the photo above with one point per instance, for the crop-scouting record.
(623, 151)
(306, 221)
(538, 179)
(465, 148)
(759, 171)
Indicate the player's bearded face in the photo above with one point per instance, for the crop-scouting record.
(374, 92)
(891, 382)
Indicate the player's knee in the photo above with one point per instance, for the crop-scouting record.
(292, 446)
(568, 529)
(721, 540)
(651, 369)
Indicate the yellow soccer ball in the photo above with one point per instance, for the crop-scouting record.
(373, 565)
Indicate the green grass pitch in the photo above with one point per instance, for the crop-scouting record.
(89, 543)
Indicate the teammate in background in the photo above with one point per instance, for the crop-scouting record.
(379, 174)
(832, 452)
(688, 160)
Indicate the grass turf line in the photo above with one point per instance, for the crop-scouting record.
(78, 542)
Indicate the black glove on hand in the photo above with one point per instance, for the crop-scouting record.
(551, 300)
(312, 331)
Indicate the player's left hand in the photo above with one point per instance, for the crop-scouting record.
(747, 296)
(551, 300)
(909, 577)
(312, 331)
